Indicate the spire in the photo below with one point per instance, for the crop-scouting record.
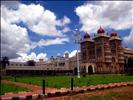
(86, 35)
(100, 30)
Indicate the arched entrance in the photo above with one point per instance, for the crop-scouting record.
(75, 71)
(128, 66)
(90, 70)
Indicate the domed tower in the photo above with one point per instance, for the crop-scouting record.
(117, 52)
(87, 51)
(66, 54)
(86, 36)
(102, 50)
(100, 30)
(84, 44)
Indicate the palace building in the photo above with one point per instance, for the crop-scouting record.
(103, 53)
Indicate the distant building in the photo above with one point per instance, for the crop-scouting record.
(55, 65)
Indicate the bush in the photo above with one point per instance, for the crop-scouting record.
(57, 93)
(81, 91)
(29, 97)
(88, 89)
(84, 75)
(72, 92)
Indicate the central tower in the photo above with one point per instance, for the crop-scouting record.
(102, 51)
(102, 54)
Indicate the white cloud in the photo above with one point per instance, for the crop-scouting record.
(42, 56)
(10, 4)
(30, 14)
(15, 38)
(48, 42)
(47, 25)
(129, 39)
(37, 18)
(66, 29)
(112, 14)
(64, 21)
(10, 16)
(33, 56)
(73, 53)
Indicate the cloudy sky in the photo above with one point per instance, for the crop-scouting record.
(33, 30)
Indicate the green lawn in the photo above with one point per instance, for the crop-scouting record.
(126, 95)
(6, 88)
(65, 81)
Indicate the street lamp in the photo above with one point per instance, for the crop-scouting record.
(77, 39)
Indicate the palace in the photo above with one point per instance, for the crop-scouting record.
(103, 53)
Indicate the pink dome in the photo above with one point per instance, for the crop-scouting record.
(113, 34)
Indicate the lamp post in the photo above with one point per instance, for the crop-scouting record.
(77, 39)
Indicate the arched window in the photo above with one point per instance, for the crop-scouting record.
(90, 70)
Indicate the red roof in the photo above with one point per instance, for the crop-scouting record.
(113, 34)
(100, 30)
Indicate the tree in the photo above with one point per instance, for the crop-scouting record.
(31, 63)
(4, 62)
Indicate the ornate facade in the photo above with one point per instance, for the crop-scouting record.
(102, 54)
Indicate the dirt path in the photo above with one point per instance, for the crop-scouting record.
(97, 92)
(28, 86)
(38, 89)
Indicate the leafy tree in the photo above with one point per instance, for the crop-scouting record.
(31, 63)
(4, 62)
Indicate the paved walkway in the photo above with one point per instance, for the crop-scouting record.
(38, 89)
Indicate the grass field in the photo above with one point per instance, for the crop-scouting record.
(65, 81)
(126, 95)
(5, 88)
